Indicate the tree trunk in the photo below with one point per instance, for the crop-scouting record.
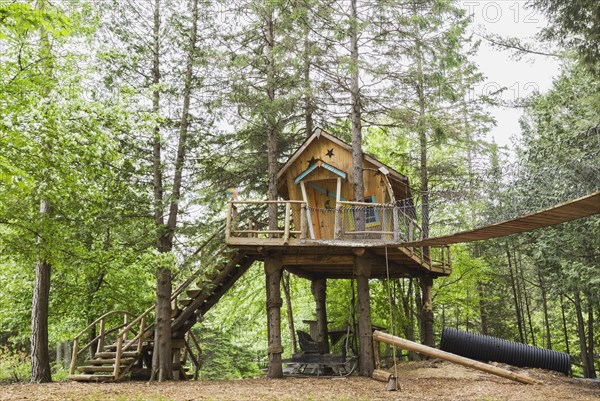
(422, 131)
(483, 309)
(418, 301)
(515, 294)
(590, 322)
(545, 308)
(409, 325)
(162, 363)
(272, 136)
(319, 290)
(365, 330)
(583, 349)
(564, 324)
(426, 283)
(526, 297)
(308, 101)
(273, 275)
(357, 153)
(40, 356)
(67, 352)
(288, 304)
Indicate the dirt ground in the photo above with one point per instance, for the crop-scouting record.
(431, 380)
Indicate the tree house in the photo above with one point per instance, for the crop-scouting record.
(324, 233)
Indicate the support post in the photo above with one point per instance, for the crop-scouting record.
(303, 223)
(319, 290)
(365, 331)
(286, 229)
(228, 223)
(273, 264)
(395, 224)
(426, 283)
(338, 222)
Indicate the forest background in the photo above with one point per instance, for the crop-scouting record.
(124, 123)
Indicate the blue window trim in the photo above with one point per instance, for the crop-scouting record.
(324, 191)
(322, 164)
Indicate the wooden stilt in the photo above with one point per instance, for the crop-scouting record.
(365, 332)
(319, 290)
(273, 264)
(426, 283)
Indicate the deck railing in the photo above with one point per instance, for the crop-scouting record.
(258, 229)
(381, 222)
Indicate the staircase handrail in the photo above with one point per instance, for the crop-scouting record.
(100, 337)
(127, 327)
(174, 296)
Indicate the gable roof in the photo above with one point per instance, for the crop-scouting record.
(398, 181)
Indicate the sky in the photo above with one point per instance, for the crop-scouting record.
(502, 70)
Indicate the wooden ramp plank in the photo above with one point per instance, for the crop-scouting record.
(568, 211)
(461, 360)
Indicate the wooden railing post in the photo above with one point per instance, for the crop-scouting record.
(117, 368)
(234, 218)
(395, 224)
(228, 224)
(141, 339)
(411, 231)
(101, 336)
(338, 222)
(303, 222)
(74, 356)
(125, 323)
(286, 227)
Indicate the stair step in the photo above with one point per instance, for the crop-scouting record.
(110, 354)
(185, 302)
(126, 361)
(94, 369)
(193, 293)
(113, 347)
(91, 378)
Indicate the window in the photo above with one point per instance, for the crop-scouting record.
(371, 215)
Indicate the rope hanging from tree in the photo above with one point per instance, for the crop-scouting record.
(392, 320)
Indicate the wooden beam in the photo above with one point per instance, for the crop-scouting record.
(311, 229)
(436, 353)
(308, 259)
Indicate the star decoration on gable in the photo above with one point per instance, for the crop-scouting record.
(312, 161)
(329, 153)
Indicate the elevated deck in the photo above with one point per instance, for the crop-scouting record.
(310, 257)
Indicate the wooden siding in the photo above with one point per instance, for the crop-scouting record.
(321, 183)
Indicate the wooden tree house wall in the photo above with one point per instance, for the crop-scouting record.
(319, 173)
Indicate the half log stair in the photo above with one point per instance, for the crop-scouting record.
(124, 343)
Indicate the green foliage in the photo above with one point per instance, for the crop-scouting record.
(225, 357)
(14, 365)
